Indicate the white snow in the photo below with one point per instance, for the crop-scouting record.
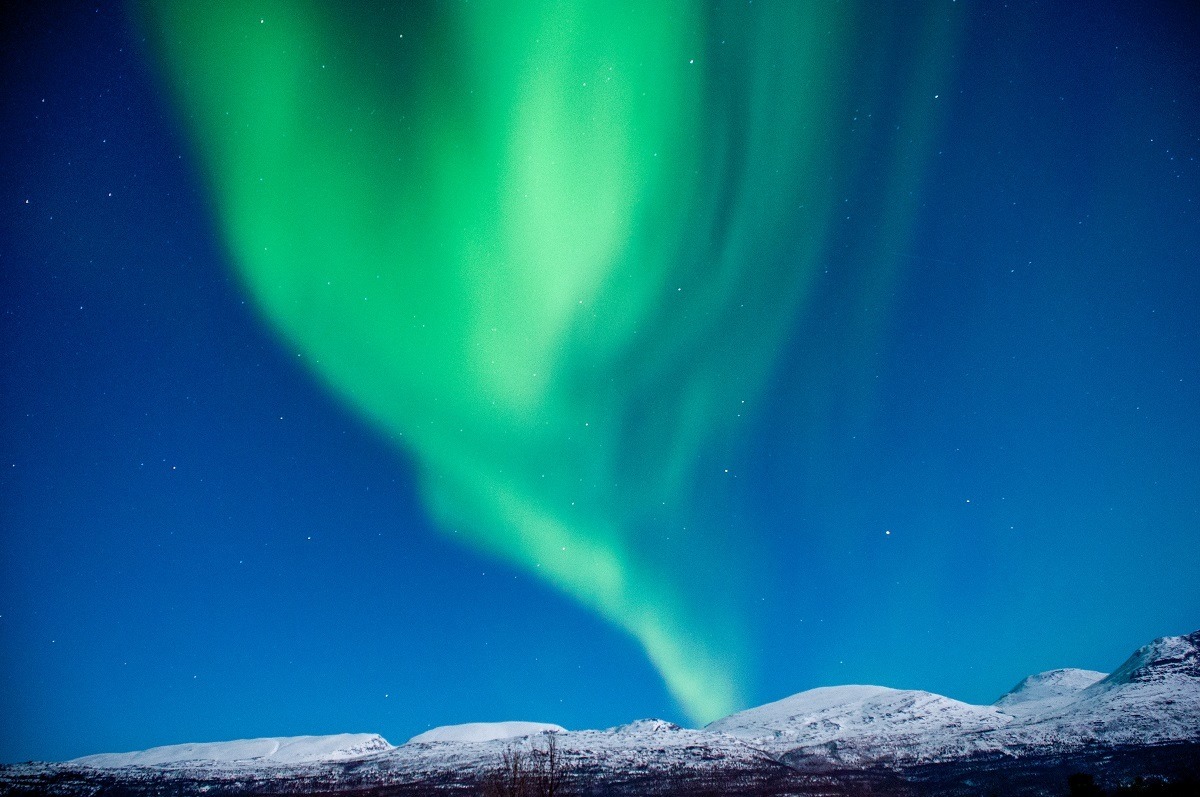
(1040, 693)
(647, 726)
(856, 723)
(484, 732)
(275, 750)
(1154, 697)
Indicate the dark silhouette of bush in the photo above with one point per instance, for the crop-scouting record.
(1156, 787)
(537, 772)
(1082, 784)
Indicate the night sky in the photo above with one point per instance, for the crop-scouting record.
(376, 369)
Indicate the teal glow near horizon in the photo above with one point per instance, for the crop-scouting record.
(556, 251)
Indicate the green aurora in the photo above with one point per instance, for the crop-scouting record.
(557, 251)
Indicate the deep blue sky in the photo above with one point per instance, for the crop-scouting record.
(199, 542)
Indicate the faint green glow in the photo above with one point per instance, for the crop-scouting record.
(554, 248)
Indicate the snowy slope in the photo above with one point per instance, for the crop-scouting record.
(853, 724)
(1153, 698)
(484, 732)
(271, 751)
(1046, 691)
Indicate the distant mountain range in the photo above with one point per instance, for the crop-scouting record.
(1141, 720)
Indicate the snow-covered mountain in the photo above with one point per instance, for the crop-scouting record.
(254, 752)
(1038, 694)
(484, 732)
(853, 724)
(831, 740)
(1153, 698)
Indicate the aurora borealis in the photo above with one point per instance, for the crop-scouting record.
(500, 230)
(744, 333)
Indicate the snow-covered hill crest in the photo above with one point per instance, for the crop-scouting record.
(1166, 659)
(853, 724)
(269, 751)
(1040, 693)
(1153, 698)
(484, 732)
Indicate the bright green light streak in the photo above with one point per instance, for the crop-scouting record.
(552, 247)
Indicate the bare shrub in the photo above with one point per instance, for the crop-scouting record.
(537, 772)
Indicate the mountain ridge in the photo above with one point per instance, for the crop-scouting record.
(1147, 709)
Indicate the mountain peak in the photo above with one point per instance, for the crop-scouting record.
(484, 732)
(1153, 697)
(1163, 659)
(268, 751)
(866, 713)
(1039, 692)
(647, 726)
